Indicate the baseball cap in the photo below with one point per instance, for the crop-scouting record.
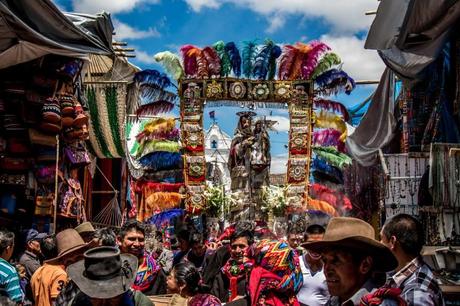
(33, 234)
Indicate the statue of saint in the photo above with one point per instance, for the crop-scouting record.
(239, 161)
(260, 156)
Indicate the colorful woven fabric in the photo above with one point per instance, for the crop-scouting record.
(146, 273)
(380, 295)
(235, 272)
(204, 300)
(277, 275)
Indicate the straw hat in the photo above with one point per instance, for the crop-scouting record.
(104, 273)
(68, 243)
(355, 234)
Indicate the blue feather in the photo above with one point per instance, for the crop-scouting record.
(262, 60)
(152, 77)
(157, 161)
(321, 166)
(334, 81)
(165, 217)
(275, 53)
(235, 58)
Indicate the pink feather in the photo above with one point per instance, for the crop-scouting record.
(155, 108)
(213, 60)
(190, 62)
(328, 138)
(311, 60)
(333, 106)
(287, 61)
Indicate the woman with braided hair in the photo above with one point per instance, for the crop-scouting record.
(184, 282)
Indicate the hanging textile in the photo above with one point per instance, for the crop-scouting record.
(107, 106)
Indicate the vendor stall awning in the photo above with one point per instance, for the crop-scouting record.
(31, 29)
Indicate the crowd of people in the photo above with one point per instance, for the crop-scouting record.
(342, 264)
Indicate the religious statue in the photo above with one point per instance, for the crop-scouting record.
(239, 161)
(260, 156)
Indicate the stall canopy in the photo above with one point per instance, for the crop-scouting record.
(32, 29)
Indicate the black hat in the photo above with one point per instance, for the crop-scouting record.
(104, 273)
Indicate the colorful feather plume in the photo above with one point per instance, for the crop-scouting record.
(162, 161)
(328, 61)
(275, 53)
(166, 176)
(202, 65)
(162, 135)
(144, 187)
(249, 56)
(322, 206)
(166, 217)
(225, 64)
(213, 61)
(265, 61)
(321, 166)
(235, 58)
(148, 147)
(154, 108)
(149, 93)
(189, 57)
(333, 197)
(325, 119)
(160, 201)
(160, 125)
(171, 63)
(286, 62)
(333, 157)
(334, 81)
(152, 77)
(332, 106)
(311, 60)
(328, 138)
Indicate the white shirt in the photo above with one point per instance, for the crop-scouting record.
(314, 289)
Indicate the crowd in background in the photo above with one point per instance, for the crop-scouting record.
(340, 264)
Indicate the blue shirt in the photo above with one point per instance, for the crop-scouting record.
(9, 282)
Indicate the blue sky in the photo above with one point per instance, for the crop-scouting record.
(151, 26)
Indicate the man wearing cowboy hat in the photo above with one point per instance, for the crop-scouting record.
(351, 255)
(51, 278)
(86, 231)
(105, 277)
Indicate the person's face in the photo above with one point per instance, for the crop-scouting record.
(183, 245)
(311, 238)
(34, 247)
(238, 248)
(245, 122)
(198, 249)
(294, 240)
(172, 286)
(343, 276)
(8, 252)
(133, 243)
(388, 242)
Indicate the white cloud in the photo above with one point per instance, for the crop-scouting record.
(125, 31)
(111, 6)
(144, 57)
(279, 164)
(359, 63)
(282, 125)
(276, 22)
(344, 16)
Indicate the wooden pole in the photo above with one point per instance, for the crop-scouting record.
(56, 180)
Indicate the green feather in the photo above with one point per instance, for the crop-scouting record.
(327, 62)
(249, 56)
(225, 64)
(157, 145)
(171, 63)
(333, 157)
